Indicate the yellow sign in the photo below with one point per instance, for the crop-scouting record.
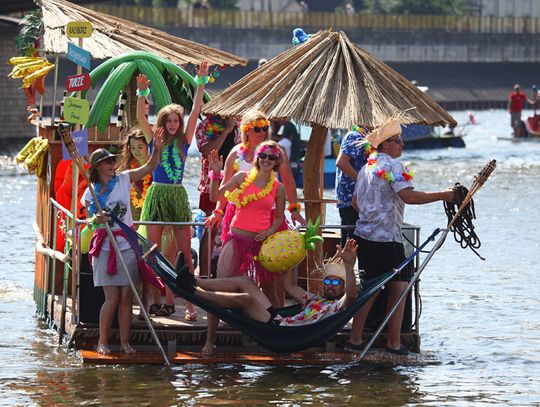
(76, 110)
(79, 29)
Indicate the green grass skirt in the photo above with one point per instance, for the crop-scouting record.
(166, 203)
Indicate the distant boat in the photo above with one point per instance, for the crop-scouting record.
(426, 137)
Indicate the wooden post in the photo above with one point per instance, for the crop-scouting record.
(313, 193)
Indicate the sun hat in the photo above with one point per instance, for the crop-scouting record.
(382, 133)
(100, 155)
(334, 270)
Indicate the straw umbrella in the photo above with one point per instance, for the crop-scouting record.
(327, 82)
(113, 36)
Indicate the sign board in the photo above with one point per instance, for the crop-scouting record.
(75, 83)
(78, 55)
(79, 29)
(76, 110)
(80, 139)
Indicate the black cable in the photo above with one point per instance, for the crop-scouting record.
(463, 227)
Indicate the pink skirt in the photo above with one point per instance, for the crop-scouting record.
(244, 251)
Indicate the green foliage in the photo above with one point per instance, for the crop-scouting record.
(223, 4)
(31, 31)
(413, 7)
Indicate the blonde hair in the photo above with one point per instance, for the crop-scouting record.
(251, 116)
(161, 121)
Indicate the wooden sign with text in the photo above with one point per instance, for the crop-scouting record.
(75, 83)
(78, 29)
(76, 110)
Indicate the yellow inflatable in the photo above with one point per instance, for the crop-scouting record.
(286, 249)
(86, 235)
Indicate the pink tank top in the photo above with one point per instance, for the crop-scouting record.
(256, 216)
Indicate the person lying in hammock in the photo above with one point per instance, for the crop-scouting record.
(340, 291)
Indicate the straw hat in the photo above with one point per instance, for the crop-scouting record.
(389, 129)
(334, 270)
(100, 155)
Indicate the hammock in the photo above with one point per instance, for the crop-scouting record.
(280, 339)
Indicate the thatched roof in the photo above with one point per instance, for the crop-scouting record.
(331, 82)
(113, 36)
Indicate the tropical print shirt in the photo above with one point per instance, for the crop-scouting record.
(344, 183)
(315, 308)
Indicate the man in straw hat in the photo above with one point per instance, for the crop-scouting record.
(383, 188)
(339, 281)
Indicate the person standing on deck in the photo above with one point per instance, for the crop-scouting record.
(213, 133)
(516, 100)
(383, 188)
(113, 193)
(350, 160)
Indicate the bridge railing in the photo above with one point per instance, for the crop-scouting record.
(161, 17)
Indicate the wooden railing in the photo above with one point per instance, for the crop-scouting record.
(161, 17)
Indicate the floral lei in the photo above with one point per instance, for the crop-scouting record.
(241, 153)
(391, 177)
(214, 127)
(234, 196)
(368, 148)
(254, 123)
(174, 173)
(140, 188)
(102, 196)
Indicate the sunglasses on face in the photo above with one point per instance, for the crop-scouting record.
(271, 157)
(110, 160)
(258, 129)
(332, 281)
(398, 140)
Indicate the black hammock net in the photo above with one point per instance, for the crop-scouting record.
(280, 339)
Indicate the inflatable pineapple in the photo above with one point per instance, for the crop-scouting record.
(286, 249)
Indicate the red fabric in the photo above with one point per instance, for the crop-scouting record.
(517, 100)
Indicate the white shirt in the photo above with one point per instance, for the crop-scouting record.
(286, 144)
(380, 209)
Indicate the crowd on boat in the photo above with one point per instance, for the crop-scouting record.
(247, 193)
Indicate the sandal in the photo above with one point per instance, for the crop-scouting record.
(165, 310)
(190, 315)
(103, 349)
(208, 350)
(127, 349)
(154, 308)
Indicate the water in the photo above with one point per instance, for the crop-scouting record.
(479, 318)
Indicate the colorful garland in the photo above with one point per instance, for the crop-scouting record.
(174, 174)
(254, 123)
(374, 168)
(274, 150)
(241, 153)
(214, 127)
(234, 196)
(140, 188)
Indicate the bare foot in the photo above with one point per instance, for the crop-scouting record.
(127, 349)
(103, 349)
(191, 313)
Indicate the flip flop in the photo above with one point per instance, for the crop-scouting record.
(354, 348)
(165, 310)
(403, 351)
(103, 349)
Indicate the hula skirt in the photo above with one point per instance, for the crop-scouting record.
(166, 203)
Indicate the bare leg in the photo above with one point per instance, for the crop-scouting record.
(182, 237)
(225, 266)
(207, 238)
(394, 324)
(125, 315)
(359, 320)
(106, 314)
(270, 291)
(241, 284)
(245, 301)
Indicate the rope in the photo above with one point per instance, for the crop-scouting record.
(462, 226)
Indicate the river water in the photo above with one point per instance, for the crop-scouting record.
(480, 319)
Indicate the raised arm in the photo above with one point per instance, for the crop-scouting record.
(140, 172)
(215, 164)
(197, 102)
(142, 87)
(216, 143)
(348, 256)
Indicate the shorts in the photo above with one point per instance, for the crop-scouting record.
(205, 204)
(377, 258)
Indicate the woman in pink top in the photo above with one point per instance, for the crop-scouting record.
(259, 199)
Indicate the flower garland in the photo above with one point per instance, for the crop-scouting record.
(234, 196)
(140, 188)
(241, 153)
(102, 196)
(214, 127)
(174, 173)
(273, 150)
(374, 168)
(254, 123)
(368, 148)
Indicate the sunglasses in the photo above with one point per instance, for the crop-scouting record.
(258, 129)
(271, 157)
(398, 140)
(332, 281)
(110, 160)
